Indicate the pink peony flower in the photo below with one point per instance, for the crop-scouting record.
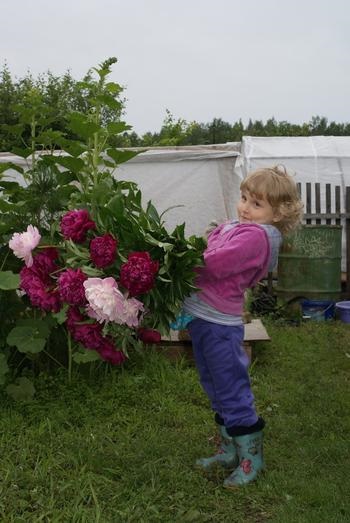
(23, 243)
(106, 302)
(132, 308)
(149, 335)
(138, 273)
(75, 224)
(103, 250)
(70, 285)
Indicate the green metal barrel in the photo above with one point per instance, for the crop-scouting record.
(309, 263)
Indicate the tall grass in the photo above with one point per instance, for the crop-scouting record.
(120, 446)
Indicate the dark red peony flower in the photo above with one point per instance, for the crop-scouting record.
(149, 335)
(39, 292)
(70, 286)
(44, 263)
(108, 352)
(75, 224)
(138, 273)
(103, 250)
(88, 334)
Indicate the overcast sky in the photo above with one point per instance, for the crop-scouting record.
(200, 59)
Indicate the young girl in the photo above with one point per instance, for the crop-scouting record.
(238, 255)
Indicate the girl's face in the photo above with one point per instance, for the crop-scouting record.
(253, 210)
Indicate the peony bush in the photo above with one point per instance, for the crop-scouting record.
(99, 265)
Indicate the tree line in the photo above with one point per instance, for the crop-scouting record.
(57, 96)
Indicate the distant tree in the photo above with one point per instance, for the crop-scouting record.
(55, 97)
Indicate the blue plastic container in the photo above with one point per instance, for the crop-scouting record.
(343, 311)
(318, 310)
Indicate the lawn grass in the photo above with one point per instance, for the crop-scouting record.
(119, 446)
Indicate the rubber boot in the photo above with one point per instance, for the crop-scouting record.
(250, 455)
(226, 456)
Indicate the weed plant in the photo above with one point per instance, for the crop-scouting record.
(118, 445)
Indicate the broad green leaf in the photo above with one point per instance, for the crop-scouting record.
(117, 127)
(80, 125)
(73, 148)
(120, 156)
(113, 88)
(8, 280)
(72, 164)
(86, 357)
(26, 339)
(109, 100)
(61, 315)
(22, 390)
(6, 206)
(23, 153)
(63, 178)
(10, 165)
(116, 205)
(40, 327)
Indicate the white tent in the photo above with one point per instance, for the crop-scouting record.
(199, 181)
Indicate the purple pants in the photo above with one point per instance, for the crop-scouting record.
(222, 364)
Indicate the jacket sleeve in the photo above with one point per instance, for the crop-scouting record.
(245, 248)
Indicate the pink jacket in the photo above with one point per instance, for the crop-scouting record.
(235, 260)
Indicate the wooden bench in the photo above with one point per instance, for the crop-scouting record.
(178, 343)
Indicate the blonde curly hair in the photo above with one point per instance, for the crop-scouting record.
(277, 187)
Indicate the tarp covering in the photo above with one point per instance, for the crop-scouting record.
(199, 181)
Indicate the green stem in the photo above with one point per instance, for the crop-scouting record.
(3, 263)
(54, 359)
(69, 358)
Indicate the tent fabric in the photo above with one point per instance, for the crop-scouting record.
(191, 185)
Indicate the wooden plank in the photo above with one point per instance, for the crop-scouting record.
(308, 201)
(347, 238)
(337, 204)
(328, 203)
(317, 202)
(253, 331)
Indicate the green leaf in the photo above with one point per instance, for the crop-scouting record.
(22, 390)
(91, 271)
(10, 165)
(80, 125)
(86, 357)
(40, 327)
(120, 156)
(116, 205)
(26, 339)
(117, 127)
(23, 153)
(65, 177)
(8, 280)
(61, 315)
(152, 212)
(109, 100)
(4, 368)
(72, 164)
